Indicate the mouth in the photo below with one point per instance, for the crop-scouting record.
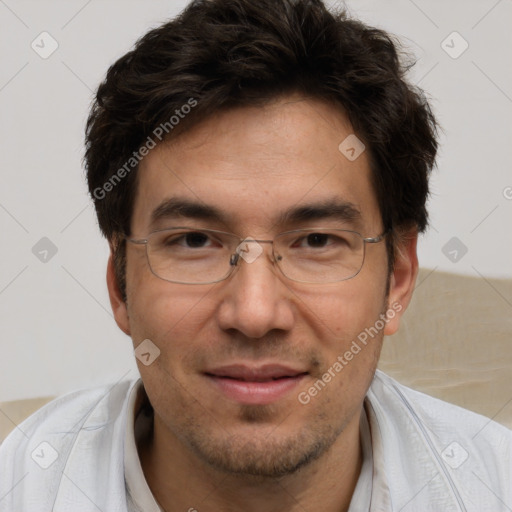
(255, 385)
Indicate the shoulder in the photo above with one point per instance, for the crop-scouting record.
(34, 456)
(470, 454)
(69, 412)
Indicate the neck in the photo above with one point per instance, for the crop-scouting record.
(181, 481)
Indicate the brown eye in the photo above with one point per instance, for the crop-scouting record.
(317, 239)
(195, 239)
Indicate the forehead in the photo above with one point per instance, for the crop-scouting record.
(253, 165)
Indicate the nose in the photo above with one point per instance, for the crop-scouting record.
(255, 299)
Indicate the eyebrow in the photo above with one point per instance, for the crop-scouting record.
(335, 209)
(175, 207)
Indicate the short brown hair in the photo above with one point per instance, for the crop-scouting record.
(228, 53)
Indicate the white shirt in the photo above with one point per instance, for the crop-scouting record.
(419, 455)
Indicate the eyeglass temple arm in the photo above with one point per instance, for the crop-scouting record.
(377, 239)
(139, 241)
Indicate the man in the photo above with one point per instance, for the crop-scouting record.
(260, 170)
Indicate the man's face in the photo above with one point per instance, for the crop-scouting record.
(252, 166)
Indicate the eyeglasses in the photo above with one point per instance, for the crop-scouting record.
(205, 256)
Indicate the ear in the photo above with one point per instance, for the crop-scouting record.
(116, 300)
(402, 280)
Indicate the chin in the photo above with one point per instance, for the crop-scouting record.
(268, 454)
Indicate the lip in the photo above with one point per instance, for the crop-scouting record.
(255, 384)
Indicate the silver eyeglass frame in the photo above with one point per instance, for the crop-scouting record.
(235, 257)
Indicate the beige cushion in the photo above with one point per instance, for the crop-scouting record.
(455, 343)
(14, 412)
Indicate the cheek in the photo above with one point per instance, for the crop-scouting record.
(348, 336)
(163, 309)
(174, 317)
(340, 313)
(174, 322)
